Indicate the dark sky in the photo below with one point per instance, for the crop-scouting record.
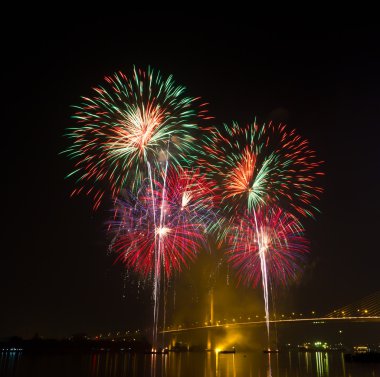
(322, 78)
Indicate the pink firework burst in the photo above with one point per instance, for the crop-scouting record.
(272, 235)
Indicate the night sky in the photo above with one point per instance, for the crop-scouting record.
(321, 78)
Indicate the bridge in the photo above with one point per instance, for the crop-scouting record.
(278, 321)
(364, 310)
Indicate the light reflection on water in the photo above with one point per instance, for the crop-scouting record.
(184, 364)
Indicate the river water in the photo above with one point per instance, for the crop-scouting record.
(185, 364)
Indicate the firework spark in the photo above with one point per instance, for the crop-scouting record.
(128, 122)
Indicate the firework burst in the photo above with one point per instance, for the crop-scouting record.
(169, 220)
(259, 165)
(128, 123)
(271, 235)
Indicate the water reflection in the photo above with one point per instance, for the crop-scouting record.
(184, 364)
(322, 361)
(225, 365)
(9, 362)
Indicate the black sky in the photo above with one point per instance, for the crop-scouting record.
(320, 78)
